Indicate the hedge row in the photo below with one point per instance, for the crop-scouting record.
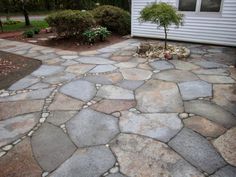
(70, 23)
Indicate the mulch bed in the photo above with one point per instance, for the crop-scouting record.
(14, 67)
(65, 44)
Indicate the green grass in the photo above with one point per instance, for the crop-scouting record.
(21, 26)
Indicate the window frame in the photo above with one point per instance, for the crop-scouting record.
(198, 9)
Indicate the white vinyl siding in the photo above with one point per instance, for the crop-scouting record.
(213, 28)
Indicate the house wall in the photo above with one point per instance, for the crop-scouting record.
(204, 28)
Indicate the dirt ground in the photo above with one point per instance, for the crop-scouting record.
(15, 67)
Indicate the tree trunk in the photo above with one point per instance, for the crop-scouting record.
(165, 37)
(26, 15)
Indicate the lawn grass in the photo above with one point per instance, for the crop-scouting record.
(21, 26)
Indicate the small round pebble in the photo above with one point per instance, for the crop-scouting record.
(116, 114)
(114, 170)
(45, 114)
(2, 153)
(7, 147)
(45, 174)
(30, 133)
(183, 115)
(42, 120)
(191, 115)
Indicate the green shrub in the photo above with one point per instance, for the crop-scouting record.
(29, 33)
(11, 22)
(114, 18)
(36, 30)
(94, 34)
(70, 23)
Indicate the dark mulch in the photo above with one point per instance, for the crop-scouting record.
(67, 44)
(14, 67)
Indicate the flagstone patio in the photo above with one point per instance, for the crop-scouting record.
(110, 113)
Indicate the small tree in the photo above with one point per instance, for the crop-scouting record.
(163, 15)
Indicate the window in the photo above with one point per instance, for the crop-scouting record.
(200, 5)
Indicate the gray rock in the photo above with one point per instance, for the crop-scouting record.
(227, 171)
(103, 68)
(79, 89)
(98, 79)
(92, 128)
(60, 117)
(136, 74)
(195, 89)
(210, 111)
(24, 83)
(183, 65)
(33, 95)
(95, 60)
(159, 126)
(159, 96)
(13, 128)
(130, 84)
(209, 64)
(218, 71)
(59, 78)
(197, 150)
(114, 92)
(39, 85)
(89, 162)
(143, 157)
(217, 79)
(47, 70)
(176, 76)
(51, 147)
(161, 65)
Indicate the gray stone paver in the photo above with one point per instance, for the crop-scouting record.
(87, 98)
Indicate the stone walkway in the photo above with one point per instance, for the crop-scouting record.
(109, 113)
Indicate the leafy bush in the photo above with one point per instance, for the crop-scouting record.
(70, 23)
(162, 14)
(29, 33)
(36, 30)
(11, 22)
(114, 18)
(94, 34)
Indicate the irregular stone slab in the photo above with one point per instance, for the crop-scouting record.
(218, 71)
(210, 111)
(183, 65)
(103, 68)
(225, 96)
(204, 126)
(79, 89)
(110, 106)
(159, 126)
(130, 84)
(20, 162)
(197, 150)
(33, 95)
(217, 79)
(209, 64)
(161, 65)
(14, 128)
(114, 92)
(51, 146)
(116, 175)
(89, 162)
(92, 128)
(69, 57)
(47, 70)
(63, 102)
(176, 76)
(124, 65)
(144, 66)
(79, 69)
(227, 171)
(98, 79)
(195, 89)
(39, 85)
(95, 60)
(120, 58)
(46, 56)
(226, 145)
(11, 109)
(69, 63)
(59, 78)
(136, 74)
(60, 117)
(24, 83)
(149, 158)
(159, 96)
